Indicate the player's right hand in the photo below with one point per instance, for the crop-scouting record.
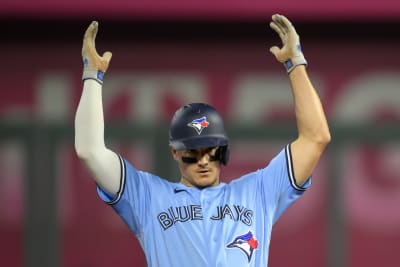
(94, 65)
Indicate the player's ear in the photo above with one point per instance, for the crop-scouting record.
(174, 153)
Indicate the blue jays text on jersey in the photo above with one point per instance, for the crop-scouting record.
(194, 212)
(224, 225)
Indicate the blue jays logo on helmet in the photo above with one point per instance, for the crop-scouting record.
(246, 243)
(199, 124)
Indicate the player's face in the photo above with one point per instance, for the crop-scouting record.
(198, 167)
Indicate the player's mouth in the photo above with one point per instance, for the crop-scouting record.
(204, 171)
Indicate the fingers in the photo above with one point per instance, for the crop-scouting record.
(281, 23)
(91, 31)
(107, 56)
(277, 29)
(284, 21)
(274, 50)
(89, 45)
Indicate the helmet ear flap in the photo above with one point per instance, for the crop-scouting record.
(223, 153)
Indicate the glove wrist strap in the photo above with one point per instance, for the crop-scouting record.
(96, 75)
(291, 63)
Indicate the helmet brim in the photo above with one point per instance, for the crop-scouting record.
(199, 142)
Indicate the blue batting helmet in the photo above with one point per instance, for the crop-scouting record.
(199, 125)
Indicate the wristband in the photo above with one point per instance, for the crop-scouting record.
(96, 75)
(90, 74)
(298, 59)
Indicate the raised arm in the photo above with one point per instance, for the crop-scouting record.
(313, 130)
(102, 163)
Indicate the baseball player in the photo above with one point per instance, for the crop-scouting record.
(201, 221)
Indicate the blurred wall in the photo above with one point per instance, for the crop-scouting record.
(349, 217)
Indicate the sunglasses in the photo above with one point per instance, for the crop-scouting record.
(193, 160)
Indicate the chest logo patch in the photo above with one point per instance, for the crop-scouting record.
(246, 243)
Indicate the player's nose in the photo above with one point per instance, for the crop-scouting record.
(203, 159)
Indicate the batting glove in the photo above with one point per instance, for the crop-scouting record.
(94, 66)
(290, 54)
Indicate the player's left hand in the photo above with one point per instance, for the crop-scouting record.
(94, 65)
(290, 54)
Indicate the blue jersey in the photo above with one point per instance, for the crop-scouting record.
(225, 225)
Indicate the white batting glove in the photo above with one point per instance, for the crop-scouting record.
(94, 66)
(290, 54)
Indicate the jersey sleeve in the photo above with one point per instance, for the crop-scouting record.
(278, 183)
(133, 196)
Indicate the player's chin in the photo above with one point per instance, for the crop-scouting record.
(204, 180)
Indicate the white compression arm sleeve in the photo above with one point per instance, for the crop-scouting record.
(103, 163)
